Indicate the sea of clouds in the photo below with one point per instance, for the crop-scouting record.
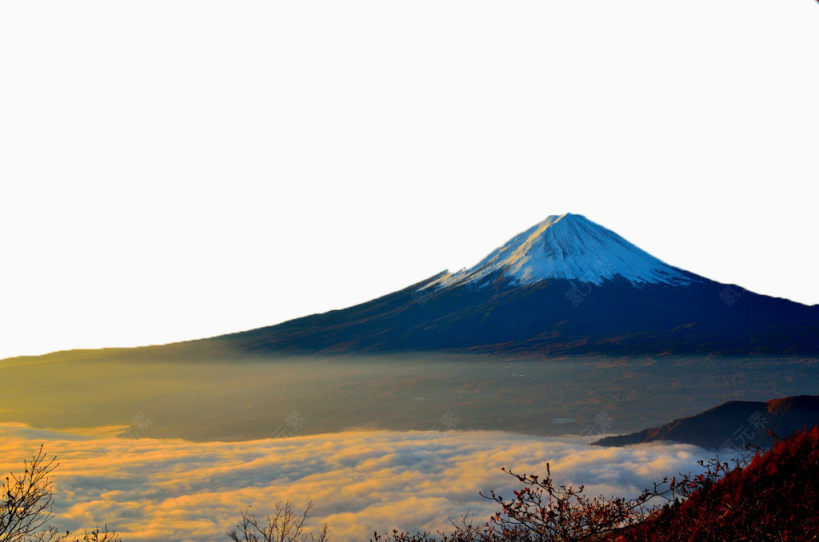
(358, 481)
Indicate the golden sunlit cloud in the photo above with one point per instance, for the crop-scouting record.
(358, 481)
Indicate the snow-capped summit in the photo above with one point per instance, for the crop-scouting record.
(569, 246)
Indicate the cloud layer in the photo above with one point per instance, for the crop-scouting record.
(159, 490)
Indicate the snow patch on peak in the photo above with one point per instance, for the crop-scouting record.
(569, 246)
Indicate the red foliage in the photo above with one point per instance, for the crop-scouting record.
(775, 497)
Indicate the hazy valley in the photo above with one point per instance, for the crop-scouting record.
(249, 398)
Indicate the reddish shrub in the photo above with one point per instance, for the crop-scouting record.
(775, 497)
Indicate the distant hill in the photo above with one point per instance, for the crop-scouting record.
(732, 425)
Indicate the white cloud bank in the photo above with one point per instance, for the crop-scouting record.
(160, 490)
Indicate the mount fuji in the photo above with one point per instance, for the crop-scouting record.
(569, 247)
(564, 286)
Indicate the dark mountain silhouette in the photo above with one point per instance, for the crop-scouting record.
(732, 425)
(564, 286)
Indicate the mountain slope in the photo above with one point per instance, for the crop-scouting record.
(566, 285)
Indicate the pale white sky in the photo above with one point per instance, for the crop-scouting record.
(174, 170)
